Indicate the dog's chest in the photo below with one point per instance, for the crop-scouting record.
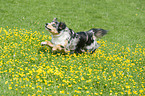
(60, 39)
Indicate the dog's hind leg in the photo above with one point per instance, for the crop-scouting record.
(56, 48)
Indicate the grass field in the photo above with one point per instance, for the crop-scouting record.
(116, 68)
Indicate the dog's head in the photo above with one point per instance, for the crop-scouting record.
(99, 32)
(55, 27)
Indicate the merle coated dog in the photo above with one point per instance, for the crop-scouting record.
(66, 40)
(86, 41)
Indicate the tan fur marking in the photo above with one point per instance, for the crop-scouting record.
(66, 42)
(53, 30)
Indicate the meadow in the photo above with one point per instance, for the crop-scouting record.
(116, 68)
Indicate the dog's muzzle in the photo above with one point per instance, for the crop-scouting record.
(47, 27)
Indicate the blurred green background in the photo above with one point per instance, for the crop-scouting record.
(125, 19)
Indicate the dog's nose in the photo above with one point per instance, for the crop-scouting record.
(46, 24)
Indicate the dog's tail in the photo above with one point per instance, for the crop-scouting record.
(98, 32)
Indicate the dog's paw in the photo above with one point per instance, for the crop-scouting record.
(43, 43)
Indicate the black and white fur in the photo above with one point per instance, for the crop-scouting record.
(86, 41)
(61, 35)
(66, 40)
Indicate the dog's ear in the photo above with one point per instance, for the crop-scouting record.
(61, 26)
(55, 19)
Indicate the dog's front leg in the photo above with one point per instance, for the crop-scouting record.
(59, 48)
(64, 49)
(47, 43)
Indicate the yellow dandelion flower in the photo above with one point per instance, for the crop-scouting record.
(10, 87)
(6, 82)
(87, 92)
(129, 92)
(141, 91)
(127, 86)
(79, 88)
(122, 93)
(40, 91)
(82, 78)
(70, 85)
(22, 92)
(62, 92)
(96, 93)
(91, 87)
(135, 92)
(33, 87)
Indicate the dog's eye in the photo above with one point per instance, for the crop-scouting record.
(53, 25)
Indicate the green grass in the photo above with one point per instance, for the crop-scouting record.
(123, 18)
(116, 68)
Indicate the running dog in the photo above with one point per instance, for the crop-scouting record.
(66, 40)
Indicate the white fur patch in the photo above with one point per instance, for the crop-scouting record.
(73, 44)
(43, 43)
(61, 38)
(91, 47)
